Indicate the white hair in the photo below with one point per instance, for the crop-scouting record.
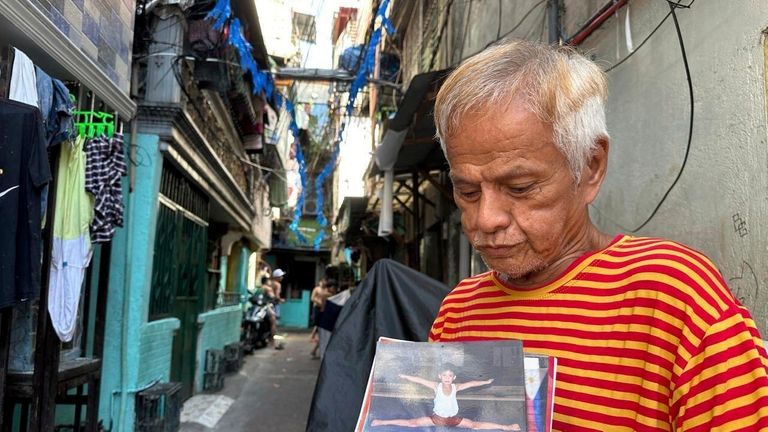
(556, 83)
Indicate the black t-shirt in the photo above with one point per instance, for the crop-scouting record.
(24, 170)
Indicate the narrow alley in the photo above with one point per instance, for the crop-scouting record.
(272, 392)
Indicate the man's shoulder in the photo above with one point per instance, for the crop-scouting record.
(636, 250)
(478, 279)
(666, 265)
(472, 285)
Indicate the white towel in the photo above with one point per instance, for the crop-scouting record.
(23, 79)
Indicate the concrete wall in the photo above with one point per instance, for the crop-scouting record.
(471, 27)
(490, 21)
(219, 327)
(129, 340)
(295, 312)
(102, 29)
(719, 204)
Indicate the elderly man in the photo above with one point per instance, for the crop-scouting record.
(647, 335)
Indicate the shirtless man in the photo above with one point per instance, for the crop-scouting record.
(324, 289)
(276, 284)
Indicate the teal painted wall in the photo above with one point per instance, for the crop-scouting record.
(219, 327)
(295, 312)
(129, 283)
(155, 349)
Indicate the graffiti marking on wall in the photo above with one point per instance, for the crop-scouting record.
(745, 286)
(740, 225)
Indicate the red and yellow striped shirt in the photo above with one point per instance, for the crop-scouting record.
(647, 335)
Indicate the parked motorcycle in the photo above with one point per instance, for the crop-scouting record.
(256, 326)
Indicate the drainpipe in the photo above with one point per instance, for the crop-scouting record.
(596, 21)
(385, 214)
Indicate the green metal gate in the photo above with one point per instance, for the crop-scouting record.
(178, 270)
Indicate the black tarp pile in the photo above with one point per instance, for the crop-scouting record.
(393, 301)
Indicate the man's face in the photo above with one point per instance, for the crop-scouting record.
(519, 205)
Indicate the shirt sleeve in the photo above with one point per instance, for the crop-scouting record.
(39, 169)
(724, 386)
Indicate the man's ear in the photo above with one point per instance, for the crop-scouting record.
(594, 173)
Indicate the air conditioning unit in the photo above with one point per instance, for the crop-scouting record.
(310, 206)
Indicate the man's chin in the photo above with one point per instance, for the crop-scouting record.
(514, 270)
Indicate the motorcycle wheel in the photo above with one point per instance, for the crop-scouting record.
(248, 342)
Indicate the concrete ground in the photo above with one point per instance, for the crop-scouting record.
(272, 392)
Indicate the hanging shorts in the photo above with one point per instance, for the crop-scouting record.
(446, 421)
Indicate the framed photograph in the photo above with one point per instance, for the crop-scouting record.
(441, 386)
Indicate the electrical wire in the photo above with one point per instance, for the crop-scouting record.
(498, 29)
(466, 27)
(617, 64)
(543, 29)
(306, 32)
(543, 26)
(440, 36)
(672, 7)
(515, 27)
(176, 69)
(368, 35)
(427, 35)
(519, 23)
(275, 172)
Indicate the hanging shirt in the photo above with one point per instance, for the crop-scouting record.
(104, 169)
(44, 86)
(56, 108)
(24, 171)
(23, 80)
(71, 239)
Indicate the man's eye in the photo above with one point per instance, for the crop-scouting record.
(469, 195)
(519, 190)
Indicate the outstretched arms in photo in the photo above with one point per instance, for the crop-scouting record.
(470, 384)
(426, 383)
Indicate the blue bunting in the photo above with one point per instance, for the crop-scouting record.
(220, 14)
(382, 13)
(262, 81)
(361, 79)
(294, 226)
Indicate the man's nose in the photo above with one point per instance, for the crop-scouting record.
(493, 214)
